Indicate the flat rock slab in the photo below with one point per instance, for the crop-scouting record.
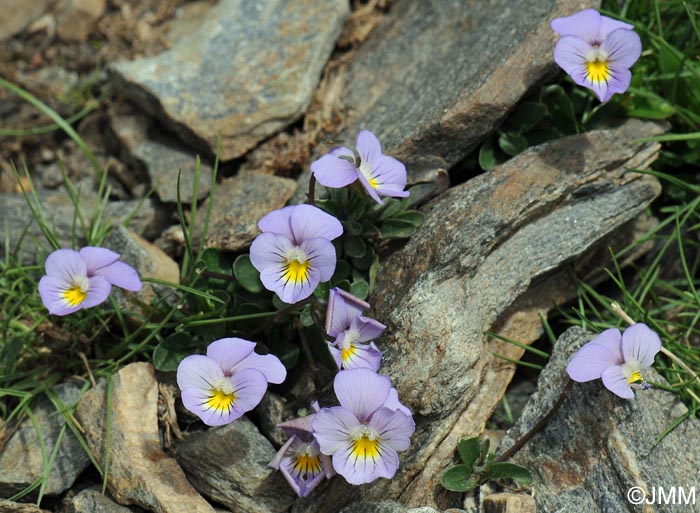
(493, 254)
(246, 73)
(92, 500)
(139, 471)
(21, 461)
(18, 507)
(436, 77)
(598, 446)
(239, 203)
(229, 465)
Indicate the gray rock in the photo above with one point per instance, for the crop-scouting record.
(374, 507)
(139, 471)
(436, 77)
(509, 503)
(21, 462)
(598, 446)
(92, 500)
(239, 203)
(160, 156)
(248, 72)
(493, 254)
(16, 16)
(59, 212)
(17, 507)
(229, 465)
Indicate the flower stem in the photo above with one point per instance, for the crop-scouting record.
(520, 442)
(311, 200)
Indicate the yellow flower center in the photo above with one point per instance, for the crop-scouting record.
(74, 295)
(366, 447)
(598, 71)
(347, 351)
(366, 171)
(634, 378)
(296, 271)
(306, 463)
(220, 400)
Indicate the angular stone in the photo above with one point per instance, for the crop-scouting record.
(75, 19)
(139, 471)
(229, 465)
(248, 72)
(21, 461)
(92, 500)
(59, 212)
(435, 78)
(159, 155)
(571, 474)
(16, 16)
(17, 507)
(492, 255)
(239, 203)
(509, 503)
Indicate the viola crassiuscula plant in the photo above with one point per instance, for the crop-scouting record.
(345, 322)
(379, 174)
(294, 252)
(365, 433)
(82, 279)
(597, 51)
(300, 459)
(228, 381)
(617, 359)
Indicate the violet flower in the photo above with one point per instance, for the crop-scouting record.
(597, 51)
(229, 381)
(379, 174)
(345, 322)
(362, 435)
(617, 359)
(294, 253)
(300, 459)
(76, 280)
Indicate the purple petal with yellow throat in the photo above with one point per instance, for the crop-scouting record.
(640, 344)
(592, 359)
(334, 172)
(362, 391)
(615, 381)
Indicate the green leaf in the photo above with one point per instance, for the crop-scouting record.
(352, 228)
(560, 109)
(485, 446)
(305, 316)
(247, 275)
(360, 289)
(169, 353)
(526, 116)
(488, 158)
(355, 247)
(457, 479)
(216, 261)
(469, 450)
(512, 144)
(364, 262)
(396, 229)
(414, 217)
(342, 271)
(391, 208)
(517, 473)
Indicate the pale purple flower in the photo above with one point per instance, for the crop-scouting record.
(294, 253)
(76, 280)
(228, 381)
(617, 359)
(300, 459)
(597, 51)
(345, 322)
(363, 435)
(379, 174)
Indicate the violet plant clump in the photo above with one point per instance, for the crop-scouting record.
(597, 51)
(346, 324)
(82, 279)
(617, 359)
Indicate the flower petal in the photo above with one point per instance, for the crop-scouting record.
(309, 222)
(370, 190)
(362, 391)
(618, 82)
(51, 291)
(122, 275)
(249, 387)
(640, 344)
(275, 462)
(198, 371)
(98, 292)
(342, 151)
(289, 291)
(96, 258)
(615, 381)
(570, 54)
(321, 254)
(390, 175)
(343, 307)
(229, 352)
(359, 470)
(591, 360)
(609, 25)
(583, 25)
(195, 400)
(368, 328)
(392, 402)
(66, 264)
(368, 147)
(278, 221)
(334, 172)
(363, 356)
(268, 250)
(271, 366)
(336, 354)
(332, 428)
(623, 48)
(394, 427)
